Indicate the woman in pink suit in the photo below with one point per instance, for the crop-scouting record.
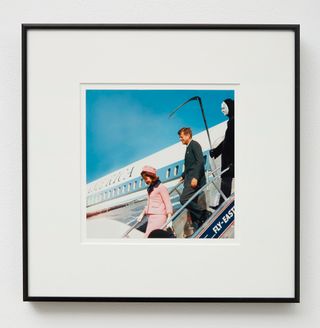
(159, 207)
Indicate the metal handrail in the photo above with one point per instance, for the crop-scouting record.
(142, 221)
(219, 189)
(176, 214)
(133, 227)
(214, 171)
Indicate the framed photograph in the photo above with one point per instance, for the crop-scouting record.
(160, 163)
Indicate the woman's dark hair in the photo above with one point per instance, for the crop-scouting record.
(153, 177)
(158, 233)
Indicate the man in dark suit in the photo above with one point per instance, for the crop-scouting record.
(193, 176)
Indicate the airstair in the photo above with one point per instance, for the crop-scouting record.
(219, 225)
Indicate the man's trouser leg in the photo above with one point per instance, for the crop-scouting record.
(194, 208)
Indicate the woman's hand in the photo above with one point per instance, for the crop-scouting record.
(169, 224)
(140, 217)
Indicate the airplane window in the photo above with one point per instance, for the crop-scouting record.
(140, 183)
(119, 192)
(135, 185)
(176, 170)
(129, 186)
(168, 173)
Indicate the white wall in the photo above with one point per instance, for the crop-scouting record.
(15, 313)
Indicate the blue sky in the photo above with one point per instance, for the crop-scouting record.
(123, 126)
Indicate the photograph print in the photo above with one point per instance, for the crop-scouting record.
(159, 163)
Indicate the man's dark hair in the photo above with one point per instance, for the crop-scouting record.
(185, 131)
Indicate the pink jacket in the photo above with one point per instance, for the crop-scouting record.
(159, 201)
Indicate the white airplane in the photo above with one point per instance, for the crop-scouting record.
(125, 186)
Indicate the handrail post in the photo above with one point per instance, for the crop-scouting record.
(220, 191)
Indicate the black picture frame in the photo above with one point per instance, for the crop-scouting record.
(234, 27)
